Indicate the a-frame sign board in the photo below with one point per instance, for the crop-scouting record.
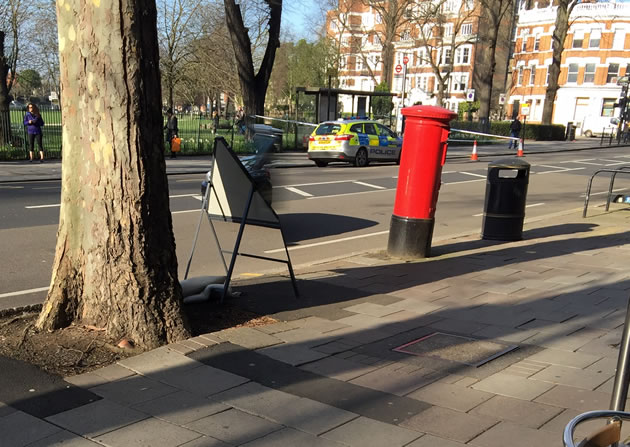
(232, 196)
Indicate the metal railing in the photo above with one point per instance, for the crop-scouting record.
(614, 172)
(14, 138)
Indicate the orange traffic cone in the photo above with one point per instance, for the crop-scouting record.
(473, 156)
(519, 153)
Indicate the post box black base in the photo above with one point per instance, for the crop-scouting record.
(410, 238)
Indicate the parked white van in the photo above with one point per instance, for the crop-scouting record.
(593, 125)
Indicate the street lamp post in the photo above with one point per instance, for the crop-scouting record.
(623, 103)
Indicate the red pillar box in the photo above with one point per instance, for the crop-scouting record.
(419, 177)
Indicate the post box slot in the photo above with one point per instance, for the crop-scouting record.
(508, 173)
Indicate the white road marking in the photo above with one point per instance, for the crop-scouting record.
(473, 174)
(560, 170)
(526, 206)
(182, 195)
(604, 192)
(316, 184)
(552, 167)
(186, 211)
(31, 207)
(369, 185)
(11, 187)
(463, 181)
(298, 191)
(53, 205)
(22, 292)
(584, 162)
(351, 193)
(317, 244)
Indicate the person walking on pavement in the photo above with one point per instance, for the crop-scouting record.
(171, 130)
(215, 122)
(34, 123)
(515, 131)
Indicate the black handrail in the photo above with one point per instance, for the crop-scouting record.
(614, 172)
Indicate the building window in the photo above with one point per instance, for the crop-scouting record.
(608, 107)
(618, 40)
(532, 75)
(424, 83)
(459, 82)
(613, 72)
(595, 37)
(422, 57)
(578, 38)
(524, 45)
(462, 56)
(448, 30)
(333, 25)
(446, 60)
(345, 41)
(537, 43)
(573, 73)
(359, 63)
(377, 18)
(466, 29)
(589, 73)
(377, 40)
(409, 13)
(406, 35)
(427, 31)
(548, 73)
(520, 76)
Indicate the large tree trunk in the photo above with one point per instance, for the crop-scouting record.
(559, 36)
(388, 64)
(486, 72)
(115, 264)
(253, 86)
(5, 119)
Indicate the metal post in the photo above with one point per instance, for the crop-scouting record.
(199, 130)
(328, 102)
(622, 377)
(404, 84)
(297, 104)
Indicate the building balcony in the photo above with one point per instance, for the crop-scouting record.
(596, 11)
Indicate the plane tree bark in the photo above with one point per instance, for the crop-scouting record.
(563, 12)
(115, 265)
(253, 85)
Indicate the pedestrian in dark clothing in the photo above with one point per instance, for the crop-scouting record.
(171, 130)
(215, 121)
(34, 123)
(515, 131)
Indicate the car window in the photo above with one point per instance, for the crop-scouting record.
(328, 129)
(382, 130)
(370, 129)
(357, 128)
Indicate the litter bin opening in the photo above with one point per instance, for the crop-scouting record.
(508, 173)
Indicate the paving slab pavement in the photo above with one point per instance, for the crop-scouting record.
(327, 373)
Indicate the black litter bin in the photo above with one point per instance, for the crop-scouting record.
(570, 135)
(504, 208)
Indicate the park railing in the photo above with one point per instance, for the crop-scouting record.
(197, 131)
(14, 138)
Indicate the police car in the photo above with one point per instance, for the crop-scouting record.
(355, 141)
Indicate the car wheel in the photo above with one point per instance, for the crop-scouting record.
(588, 134)
(321, 164)
(361, 159)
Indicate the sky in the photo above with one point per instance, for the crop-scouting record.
(298, 17)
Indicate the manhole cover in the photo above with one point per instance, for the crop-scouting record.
(456, 348)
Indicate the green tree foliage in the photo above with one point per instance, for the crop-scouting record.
(382, 105)
(299, 64)
(27, 82)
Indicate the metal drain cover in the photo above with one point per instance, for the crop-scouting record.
(456, 348)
